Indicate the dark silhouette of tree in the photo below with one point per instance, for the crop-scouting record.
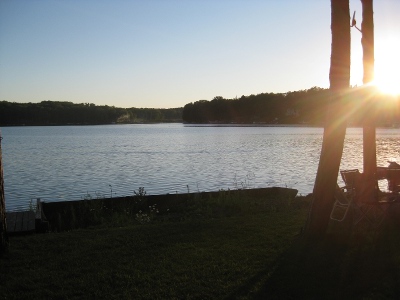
(369, 101)
(335, 128)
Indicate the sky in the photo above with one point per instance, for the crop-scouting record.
(167, 53)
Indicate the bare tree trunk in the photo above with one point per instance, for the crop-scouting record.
(335, 126)
(3, 224)
(369, 134)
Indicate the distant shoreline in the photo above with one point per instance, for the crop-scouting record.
(194, 125)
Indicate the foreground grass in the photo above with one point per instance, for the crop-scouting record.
(211, 258)
(252, 255)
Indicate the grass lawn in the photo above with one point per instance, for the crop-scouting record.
(252, 255)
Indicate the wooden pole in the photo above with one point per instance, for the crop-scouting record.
(369, 131)
(3, 224)
(335, 127)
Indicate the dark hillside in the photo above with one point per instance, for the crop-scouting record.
(68, 113)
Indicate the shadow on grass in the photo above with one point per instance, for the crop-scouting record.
(347, 264)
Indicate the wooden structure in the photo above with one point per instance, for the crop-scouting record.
(3, 225)
(22, 222)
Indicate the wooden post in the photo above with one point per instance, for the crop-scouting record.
(3, 224)
(335, 127)
(369, 134)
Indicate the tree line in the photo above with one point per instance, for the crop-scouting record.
(68, 113)
(298, 107)
(305, 107)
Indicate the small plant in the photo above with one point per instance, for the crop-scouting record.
(100, 196)
(144, 218)
(31, 208)
(141, 193)
(246, 183)
(87, 196)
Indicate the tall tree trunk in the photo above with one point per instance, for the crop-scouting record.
(335, 126)
(3, 224)
(369, 134)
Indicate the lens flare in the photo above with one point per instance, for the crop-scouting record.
(387, 66)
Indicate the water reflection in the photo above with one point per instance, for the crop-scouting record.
(67, 163)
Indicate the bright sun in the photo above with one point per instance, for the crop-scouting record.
(387, 66)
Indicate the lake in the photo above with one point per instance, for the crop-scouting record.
(75, 162)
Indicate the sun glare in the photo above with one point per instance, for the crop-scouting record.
(387, 66)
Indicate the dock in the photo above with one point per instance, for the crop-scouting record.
(21, 222)
(29, 221)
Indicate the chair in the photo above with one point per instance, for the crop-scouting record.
(341, 206)
(371, 204)
(344, 196)
(351, 178)
(368, 206)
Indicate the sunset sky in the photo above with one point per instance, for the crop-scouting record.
(167, 53)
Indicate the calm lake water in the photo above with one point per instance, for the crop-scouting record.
(71, 162)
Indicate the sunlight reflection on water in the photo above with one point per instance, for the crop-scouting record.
(68, 162)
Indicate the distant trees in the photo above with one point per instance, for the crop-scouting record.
(298, 107)
(139, 115)
(68, 113)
